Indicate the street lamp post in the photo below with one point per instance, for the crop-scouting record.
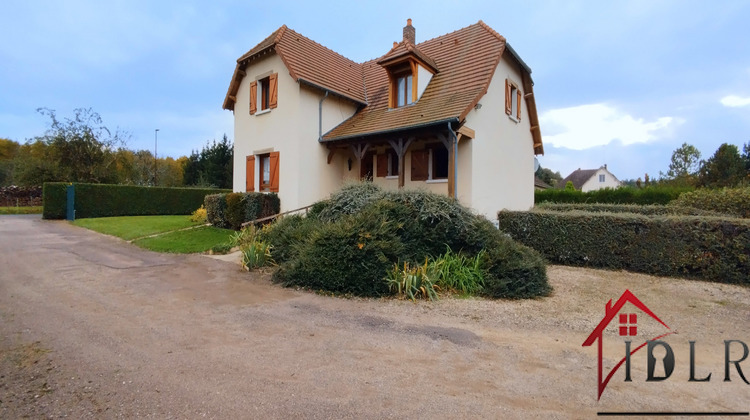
(156, 137)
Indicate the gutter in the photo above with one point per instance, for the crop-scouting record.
(320, 117)
(454, 144)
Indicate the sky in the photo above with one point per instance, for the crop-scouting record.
(619, 83)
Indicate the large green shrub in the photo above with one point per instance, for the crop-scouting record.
(710, 248)
(622, 195)
(233, 209)
(420, 225)
(649, 209)
(730, 201)
(349, 256)
(54, 200)
(104, 200)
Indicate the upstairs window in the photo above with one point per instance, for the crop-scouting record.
(512, 100)
(264, 94)
(601, 178)
(404, 88)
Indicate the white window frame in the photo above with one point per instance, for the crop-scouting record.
(602, 178)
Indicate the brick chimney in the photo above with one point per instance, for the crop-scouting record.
(410, 34)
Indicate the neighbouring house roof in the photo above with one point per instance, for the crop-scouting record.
(578, 178)
(465, 61)
(538, 183)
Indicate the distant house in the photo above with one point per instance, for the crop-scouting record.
(455, 115)
(540, 185)
(591, 179)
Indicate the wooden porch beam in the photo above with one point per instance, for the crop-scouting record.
(400, 148)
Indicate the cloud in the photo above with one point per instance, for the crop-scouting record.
(734, 101)
(584, 126)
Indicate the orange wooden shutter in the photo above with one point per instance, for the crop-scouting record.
(253, 97)
(382, 165)
(518, 111)
(274, 171)
(508, 100)
(273, 91)
(420, 160)
(250, 174)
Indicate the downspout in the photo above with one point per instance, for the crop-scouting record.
(320, 117)
(455, 161)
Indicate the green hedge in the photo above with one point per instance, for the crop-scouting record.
(622, 195)
(731, 201)
(104, 200)
(231, 210)
(648, 210)
(54, 200)
(709, 248)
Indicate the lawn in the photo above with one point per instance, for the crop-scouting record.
(21, 210)
(131, 227)
(187, 241)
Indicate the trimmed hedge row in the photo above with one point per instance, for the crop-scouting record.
(622, 195)
(104, 200)
(731, 201)
(648, 209)
(709, 248)
(231, 210)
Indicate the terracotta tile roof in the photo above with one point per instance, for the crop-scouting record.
(463, 79)
(538, 183)
(577, 177)
(307, 61)
(403, 49)
(465, 59)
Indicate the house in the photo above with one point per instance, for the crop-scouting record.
(454, 114)
(591, 179)
(627, 327)
(540, 185)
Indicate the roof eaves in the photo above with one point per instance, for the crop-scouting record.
(333, 91)
(389, 131)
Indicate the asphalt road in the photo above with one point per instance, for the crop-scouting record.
(93, 327)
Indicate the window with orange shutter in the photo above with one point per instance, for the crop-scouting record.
(513, 100)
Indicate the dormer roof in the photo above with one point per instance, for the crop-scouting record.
(402, 51)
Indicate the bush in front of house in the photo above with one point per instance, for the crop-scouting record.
(730, 201)
(622, 195)
(709, 248)
(105, 200)
(647, 209)
(231, 210)
(349, 243)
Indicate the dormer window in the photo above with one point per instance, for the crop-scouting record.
(409, 70)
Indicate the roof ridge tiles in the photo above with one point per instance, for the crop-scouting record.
(490, 30)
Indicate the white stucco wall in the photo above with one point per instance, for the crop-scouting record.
(610, 181)
(292, 130)
(423, 79)
(502, 153)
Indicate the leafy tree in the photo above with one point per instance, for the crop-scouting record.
(546, 175)
(725, 168)
(569, 186)
(746, 157)
(685, 162)
(8, 151)
(83, 147)
(212, 166)
(35, 164)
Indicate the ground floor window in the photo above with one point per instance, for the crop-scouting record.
(267, 172)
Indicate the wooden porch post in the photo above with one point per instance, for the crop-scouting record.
(400, 148)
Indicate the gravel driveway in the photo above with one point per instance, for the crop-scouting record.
(93, 327)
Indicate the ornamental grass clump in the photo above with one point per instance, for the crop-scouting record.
(412, 281)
